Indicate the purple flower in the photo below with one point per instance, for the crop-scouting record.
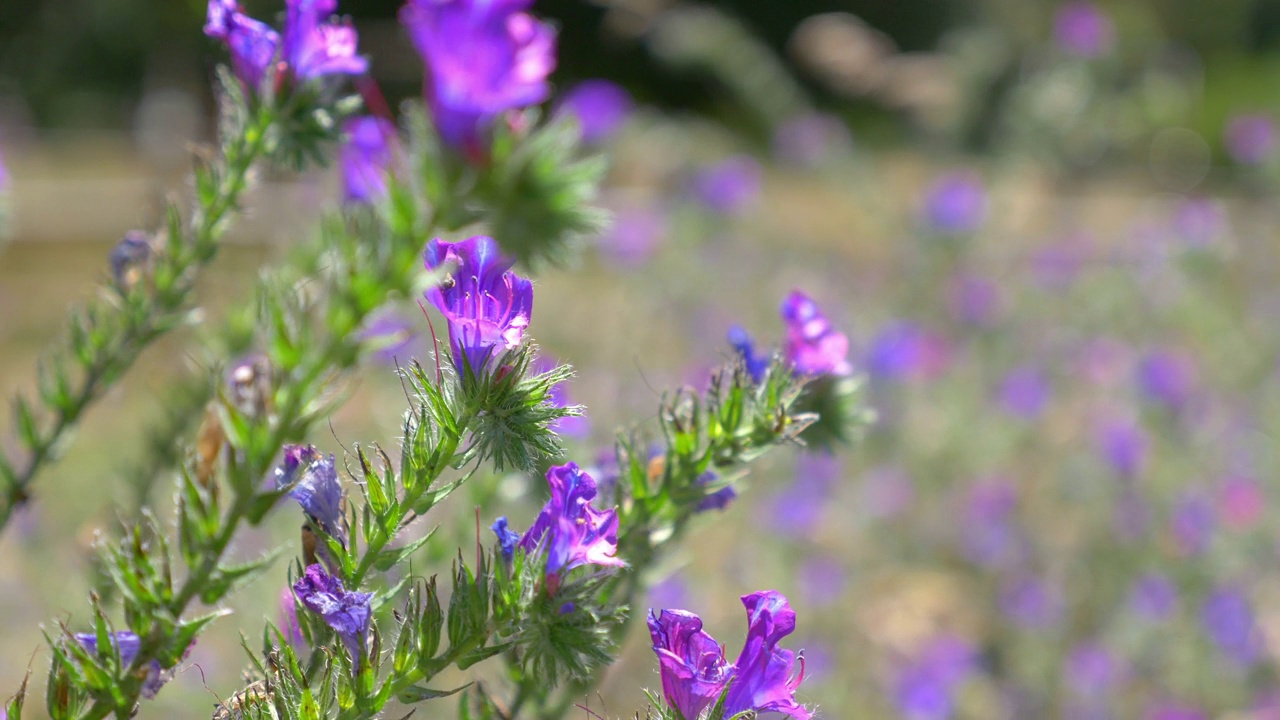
(128, 644)
(1199, 221)
(956, 204)
(1153, 596)
(1031, 603)
(575, 426)
(312, 46)
(569, 529)
(4, 176)
(974, 300)
(822, 580)
(1228, 618)
(694, 671)
(483, 58)
(1241, 501)
(796, 510)
(1250, 139)
(743, 344)
(717, 500)
(486, 305)
(1092, 670)
(601, 107)
(813, 346)
(346, 612)
(365, 158)
(990, 539)
(507, 538)
(729, 186)
(289, 618)
(634, 235)
(925, 688)
(1024, 393)
(808, 140)
(389, 336)
(1124, 446)
(317, 490)
(1193, 523)
(1167, 377)
(900, 351)
(129, 259)
(1174, 711)
(1082, 29)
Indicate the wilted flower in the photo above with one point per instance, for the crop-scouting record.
(346, 612)
(569, 529)
(1250, 139)
(317, 490)
(729, 186)
(744, 345)
(131, 259)
(1229, 621)
(128, 644)
(1082, 29)
(483, 58)
(250, 384)
(365, 158)
(694, 671)
(486, 305)
(312, 46)
(601, 107)
(813, 346)
(507, 538)
(956, 204)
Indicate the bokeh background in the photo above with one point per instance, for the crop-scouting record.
(1048, 229)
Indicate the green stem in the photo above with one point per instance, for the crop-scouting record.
(130, 329)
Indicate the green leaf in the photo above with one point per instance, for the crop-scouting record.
(417, 694)
(482, 654)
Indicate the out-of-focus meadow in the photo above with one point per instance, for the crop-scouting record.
(1049, 231)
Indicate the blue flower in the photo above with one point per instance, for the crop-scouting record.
(756, 363)
(486, 305)
(346, 612)
(128, 644)
(365, 157)
(507, 538)
(317, 489)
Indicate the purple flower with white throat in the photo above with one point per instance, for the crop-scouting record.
(695, 674)
(813, 346)
(486, 305)
(346, 612)
(569, 529)
(312, 479)
(600, 107)
(312, 47)
(483, 58)
(366, 157)
(127, 644)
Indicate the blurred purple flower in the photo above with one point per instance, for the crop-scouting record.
(365, 158)
(127, 644)
(729, 186)
(1025, 392)
(569, 529)
(601, 108)
(812, 346)
(718, 500)
(1092, 670)
(956, 203)
(574, 426)
(483, 58)
(1083, 29)
(129, 259)
(1123, 445)
(312, 46)
(1057, 264)
(1153, 597)
(634, 235)
(317, 489)
(974, 300)
(1167, 377)
(487, 306)
(808, 140)
(744, 345)
(1228, 619)
(672, 591)
(1192, 523)
(1174, 711)
(1132, 515)
(822, 580)
(4, 176)
(289, 619)
(1250, 138)
(925, 688)
(886, 491)
(389, 337)
(1199, 222)
(1031, 603)
(1241, 501)
(1104, 361)
(346, 612)
(898, 351)
(988, 537)
(797, 510)
(507, 538)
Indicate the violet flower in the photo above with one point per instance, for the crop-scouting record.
(744, 345)
(634, 235)
(1082, 29)
(601, 107)
(990, 538)
(4, 176)
(955, 204)
(1193, 523)
(569, 529)
(1167, 377)
(507, 538)
(1250, 139)
(974, 300)
(718, 500)
(317, 489)
(1092, 670)
(925, 689)
(1241, 501)
(1124, 446)
(365, 158)
(695, 673)
(312, 46)
(346, 612)
(483, 58)
(289, 619)
(128, 644)
(1025, 392)
(574, 426)
(729, 186)
(1153, 597)
(389, 337)
(1229, 621)
(486, 305)
(813, 346)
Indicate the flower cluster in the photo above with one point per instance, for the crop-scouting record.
(312, 45)
(695, 674)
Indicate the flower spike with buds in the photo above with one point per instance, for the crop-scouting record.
(127, 644)
(311, 47)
